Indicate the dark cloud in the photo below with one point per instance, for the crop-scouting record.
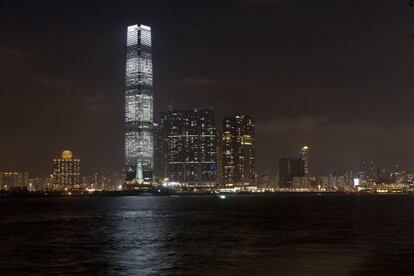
(10, 53)
(46, 81)
(198, 81)
(96, 103)
(269, 4)
(297, 125)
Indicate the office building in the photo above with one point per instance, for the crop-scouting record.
(139, 138)
(238, 151)
(289, 168)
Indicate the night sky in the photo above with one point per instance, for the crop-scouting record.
(335, 75)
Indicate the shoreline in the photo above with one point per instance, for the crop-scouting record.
(169, 193)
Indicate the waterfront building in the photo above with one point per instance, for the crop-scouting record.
(139, 137)
(349, 175)
(66, 172)
(238, 151)
(13, 180)
(264, 181)
(305, 182)
(36, 184)
(369, 171)
(403, 177)
(219, 154)
(289, 168)
(333, 183)
(330, 183)
(187, 144)
(304, 154)
(160, 154)
(104, 181)
(409, 179)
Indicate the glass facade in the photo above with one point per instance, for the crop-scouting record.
(139, 137)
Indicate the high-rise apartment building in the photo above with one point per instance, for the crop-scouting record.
(187, 145)
(139, 137)
(66, 171)
(160, 152)
(238, 150)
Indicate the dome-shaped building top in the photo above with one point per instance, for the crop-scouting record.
(67, 154)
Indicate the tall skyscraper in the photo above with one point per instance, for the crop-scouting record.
(139, 137)
(289, 168)
(66, 171)
(189, 144)
(304, 154)
(238, 154)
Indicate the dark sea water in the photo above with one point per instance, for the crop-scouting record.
(282, 234)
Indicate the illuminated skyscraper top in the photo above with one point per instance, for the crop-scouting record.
(139, 138)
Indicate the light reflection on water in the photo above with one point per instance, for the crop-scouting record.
(277, 234)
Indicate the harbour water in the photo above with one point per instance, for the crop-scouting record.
(279, 234)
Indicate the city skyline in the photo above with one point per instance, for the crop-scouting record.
(309, 95)
(220, 137)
